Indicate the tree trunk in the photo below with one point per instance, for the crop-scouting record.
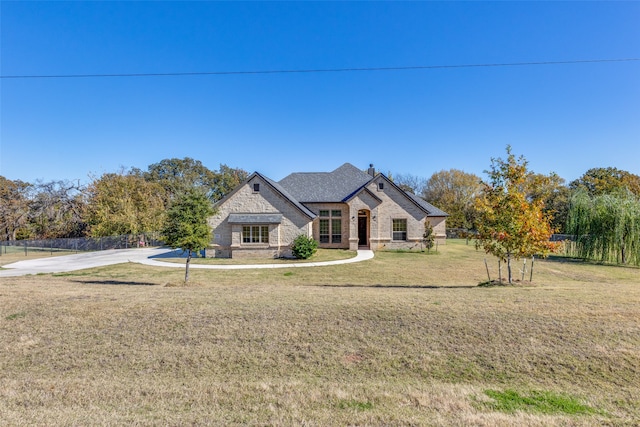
(533, 258)
(186, 271)
(509, 267)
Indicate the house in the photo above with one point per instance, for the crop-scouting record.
(347, 208)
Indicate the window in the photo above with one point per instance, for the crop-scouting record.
(399, 228)
(330, 226)
(255, 234)
(336, 231)
(256, 187)
(324, 231)
(381, 186)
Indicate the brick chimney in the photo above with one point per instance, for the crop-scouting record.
(371, 171)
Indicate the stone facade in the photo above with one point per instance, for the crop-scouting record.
(343, 208)
(384, 203)
(365, 217)
(227, 237)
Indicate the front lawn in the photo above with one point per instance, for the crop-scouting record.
(403, 339)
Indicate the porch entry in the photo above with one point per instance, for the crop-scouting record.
(363, 227)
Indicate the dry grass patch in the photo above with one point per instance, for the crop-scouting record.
(403, 339)
(15, 254)
(321, 255)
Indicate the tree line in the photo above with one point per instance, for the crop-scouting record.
(130, 201)
(456, 192)
(513, 213)
(601, 209)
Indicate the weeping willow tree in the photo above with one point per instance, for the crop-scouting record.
(605, 227)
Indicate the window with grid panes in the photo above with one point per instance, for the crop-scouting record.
(399, 229)
(255, 234)
(330, 226)
(324, 230)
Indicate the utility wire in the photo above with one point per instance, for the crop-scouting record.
(320, 70)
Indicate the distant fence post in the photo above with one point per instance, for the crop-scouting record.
(25, 248)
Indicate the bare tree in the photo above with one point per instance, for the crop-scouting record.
(14, 208)
(56, 210)
(410, 183)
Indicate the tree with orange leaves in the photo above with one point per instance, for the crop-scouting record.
(509, 225)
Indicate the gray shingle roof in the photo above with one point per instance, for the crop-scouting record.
(318, 187)
(259, 218)
(286, 194)
(433, 211)
(276, 187)
(328, 187)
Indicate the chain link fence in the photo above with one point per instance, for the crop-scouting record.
(81, 244)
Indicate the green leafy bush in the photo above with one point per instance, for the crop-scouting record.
(304, 247)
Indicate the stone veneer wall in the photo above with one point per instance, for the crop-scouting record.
(344, 208)
(227, 238)
(394, 205)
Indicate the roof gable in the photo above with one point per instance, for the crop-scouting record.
(425, 206)
(432, 210)
(335, 186)
(276, 187)
(340, 185)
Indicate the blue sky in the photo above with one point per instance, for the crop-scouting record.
(563, 118)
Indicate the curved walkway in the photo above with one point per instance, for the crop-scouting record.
(147, 256)
(362, 255)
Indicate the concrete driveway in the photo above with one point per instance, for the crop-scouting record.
(147, 256)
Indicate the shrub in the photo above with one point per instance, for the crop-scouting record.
(304, 247)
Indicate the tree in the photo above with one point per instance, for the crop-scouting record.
(509, 225)
(186, 225)
(14, 208)
(123, 203)
(606, 227)
(428, 237)
(454, 192)
(554, 193)
(609, 180)
(179, 175)
(56, 210)
(226, 179)
(410, 183)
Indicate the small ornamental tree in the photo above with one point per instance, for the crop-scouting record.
(186, 225)
(304, 247)
(428, 238)
(510, 226)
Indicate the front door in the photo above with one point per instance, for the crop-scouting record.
(362, 231)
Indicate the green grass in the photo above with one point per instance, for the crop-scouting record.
(15, 316)
(321, 255)
(543, 402)
(355, 404)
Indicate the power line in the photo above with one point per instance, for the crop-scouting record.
(319, 70)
